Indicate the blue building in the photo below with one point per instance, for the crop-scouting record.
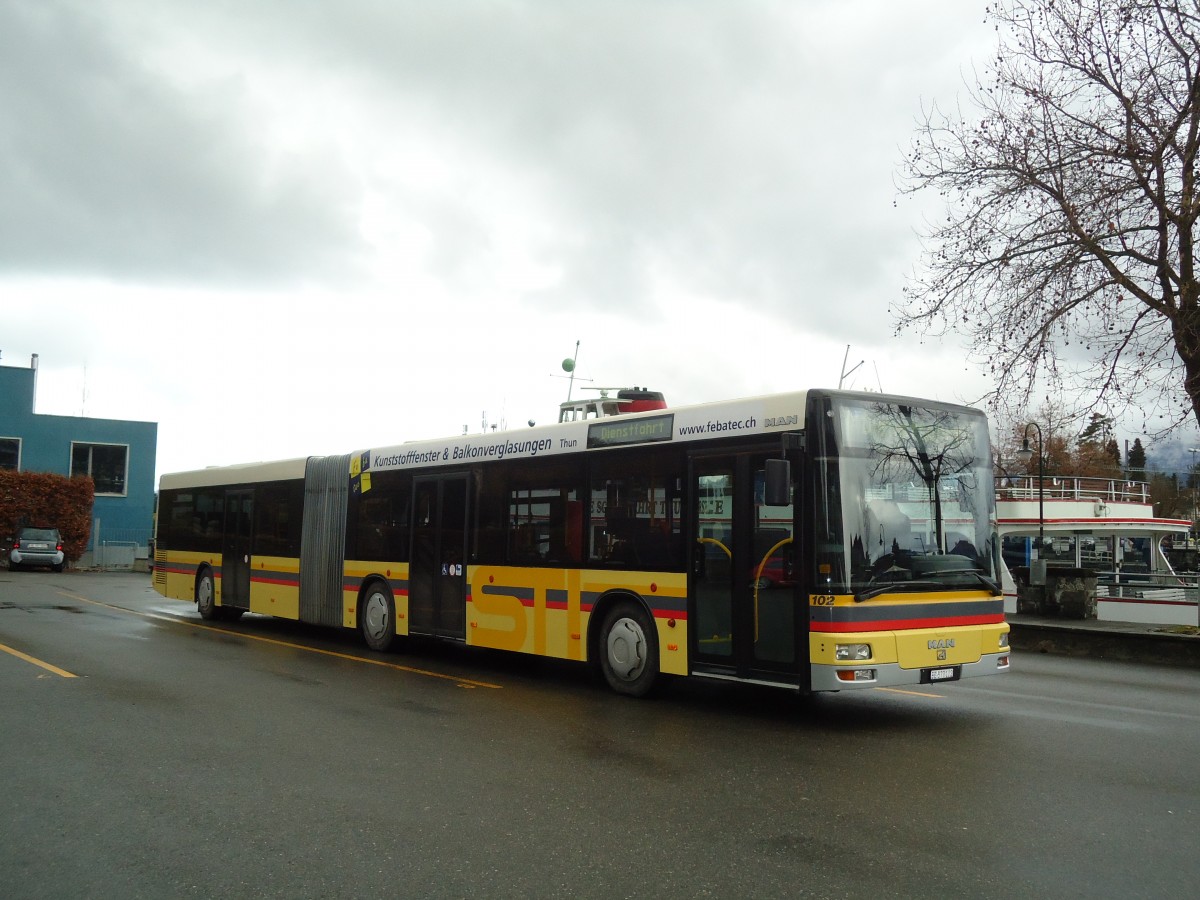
(119, 455)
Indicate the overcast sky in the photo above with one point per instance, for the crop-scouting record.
(291, 227)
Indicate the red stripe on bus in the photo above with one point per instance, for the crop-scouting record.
(902, 624)
(678, 614)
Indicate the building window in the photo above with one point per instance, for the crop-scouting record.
(106, 463)
(10, 453)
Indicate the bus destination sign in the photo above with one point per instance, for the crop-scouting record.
(625, 433)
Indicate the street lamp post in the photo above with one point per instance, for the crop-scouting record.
(1192, 484)
(1192, 534)
(1025, 454)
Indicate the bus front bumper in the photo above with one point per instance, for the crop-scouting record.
(852, 676)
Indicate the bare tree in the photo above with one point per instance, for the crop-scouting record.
(1067, 254)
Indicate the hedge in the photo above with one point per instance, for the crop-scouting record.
(56, 501)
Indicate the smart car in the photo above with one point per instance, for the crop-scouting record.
(37, 547)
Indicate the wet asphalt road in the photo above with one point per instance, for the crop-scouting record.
(264, 759)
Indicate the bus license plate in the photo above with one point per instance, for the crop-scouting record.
(947, 674)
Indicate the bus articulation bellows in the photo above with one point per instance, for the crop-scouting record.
(817, 540)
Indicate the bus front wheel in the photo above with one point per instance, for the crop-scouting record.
(377, 617)
(629, 650)
(206, 600)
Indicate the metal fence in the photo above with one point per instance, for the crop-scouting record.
(115, 555)
(118, 549)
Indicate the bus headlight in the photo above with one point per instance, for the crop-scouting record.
(852, 652)
(1004, 641)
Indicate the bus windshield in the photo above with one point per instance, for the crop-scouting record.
(904, 499)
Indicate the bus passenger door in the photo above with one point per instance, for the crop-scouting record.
(437, 575)
(235, 549)
(742, 584)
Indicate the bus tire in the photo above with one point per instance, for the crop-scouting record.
(629, 650)
(206, 598)
(377, 617)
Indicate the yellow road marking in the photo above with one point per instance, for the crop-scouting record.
(463, 682)
(913, 693)
(37, 662)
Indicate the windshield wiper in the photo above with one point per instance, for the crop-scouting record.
(906, 587)
(898, 586)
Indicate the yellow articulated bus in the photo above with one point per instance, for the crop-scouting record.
(817, 540)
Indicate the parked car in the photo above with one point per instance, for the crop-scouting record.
(37, 547)
(777, 572)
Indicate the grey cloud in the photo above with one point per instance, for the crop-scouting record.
(721, 142)
(107, 170)
(705, 138)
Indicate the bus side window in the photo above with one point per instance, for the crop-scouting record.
(378, 527)
(636, 514)
(544, 514)
(491, 509)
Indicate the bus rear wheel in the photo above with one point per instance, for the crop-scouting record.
(629, 650)
(377, 617)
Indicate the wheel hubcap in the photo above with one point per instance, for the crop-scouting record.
(375, 616)
(627, 649)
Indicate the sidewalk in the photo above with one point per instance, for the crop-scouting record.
(1105, 640)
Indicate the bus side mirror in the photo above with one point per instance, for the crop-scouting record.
(779, 483)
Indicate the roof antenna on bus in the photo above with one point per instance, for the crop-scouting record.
(846, 374)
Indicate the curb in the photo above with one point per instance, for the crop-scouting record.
(1125, 646)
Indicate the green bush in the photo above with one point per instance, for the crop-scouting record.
(42, 498)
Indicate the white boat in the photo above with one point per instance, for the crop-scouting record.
(1104, 526)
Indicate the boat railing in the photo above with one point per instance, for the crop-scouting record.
(1067, 487)
(1130, 583)
(1158, 586)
